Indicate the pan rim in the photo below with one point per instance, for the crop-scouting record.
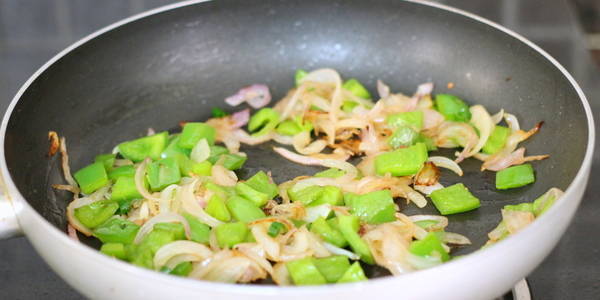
(22, 204)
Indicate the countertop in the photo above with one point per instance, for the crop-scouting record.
(32, 31)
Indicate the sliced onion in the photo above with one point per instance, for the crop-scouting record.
(191, 205)
(150, 131)
(195, 251)
(316, 244)
(442, 222)
(314, 212)
(428, 175)
(73, 221)
(431, 118)
(382, 89)
(240, 118)
(497, 117)
(444, 162)
(428, 189)
(350, 171)
(280, 275)
(516, 220)
(166, 197)
(256, 95)
(498, 233)
(283, 139)
(423, 262)
(481, 119)
(161, 218)
(71, 231)
(271, 247)
(65, 163)
(456, 239)
(424, 89)
(515, 158)
(223, 176)
(512, 121)
(255, 253)
(140, 172)
(201, 151)
(245, 138)
(302, 145)
(416, 198)
(297, 158)
(340, 251)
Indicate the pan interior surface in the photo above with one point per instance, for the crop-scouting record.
(178, 64)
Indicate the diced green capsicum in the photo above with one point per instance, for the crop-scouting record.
(108, 160)
(430, 245)
(91, 177)
(496, 140)
(116, 230)
(330, 173)
(526, 207)
(231, 234)
(244, 210)
(403, 161)
(403, 136)
(202, 168)
(182, 269)
(233, 161)
(374, 208)
(412, 119)
(305, 195)
(304, 272)
(195, 131)
(216, 152)
(356, 88)
(331, 235)
(262, 183)
(454, 199)
(148, 146)
(218, 112)
(216, 207)
(300, 74)
(124, 190)
(353, 274)
(329, 195)
(515, 176)
(114, 249)
(348, 106)
(259, 199)
(122, 171)
(263, 121)
(143, 254)
(96, 213)
(163, 173)
(452, 108)
(332, 267)
(199, 232)
(173, 149)
(349, 226)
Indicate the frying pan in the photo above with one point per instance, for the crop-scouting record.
(176, 62)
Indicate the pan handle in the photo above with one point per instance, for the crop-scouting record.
(9, 226)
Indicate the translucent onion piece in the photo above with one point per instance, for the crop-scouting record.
(431, 118)
(245, 138)
(222, 176)
(512, 121)
(280, 275)
(444, 162)
(140, 172)
(122, 162)
(515, 158)
(65, 163)
(456, 239)
(416, 198)
(270, 246)
(316, 244)
(255, 253)
(161, 218)
(240, 118)
(424, 89)
(442, 222)
(516, 220)
(201, 269)
(314, 212)
(389, 243)
(229, 270)
(497, 117)
(382, 89)
(198, 251)
(201, 151)
(166, 197)
(292, 101)
(340, 251)
(72, 232)
(256, 95)
(350, 170)
(283, 139)
(481, 119)
(302, 144)
(329, 76)
(320, 181)
(73, 221)
(297, 158)
(423, 262)
(150, 131)
(192, 206)
(428, 175)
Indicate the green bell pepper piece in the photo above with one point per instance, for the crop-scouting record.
(182, 269)
(148, 146)
(331, 235)
(203, 168)
(216, 152)
(349, 226)
(199, 232)
(356, 88)
(348, 106)
(305, 195)
(403, 136)
(116, 250)
(454, 199)
(91, 177)
(231, 234)
(122, 171)
(108, 160)
(262, 183)
(288, 127)
(452, 108)
(375, 207)
(177, 229)
(544, 202)
(412, 119)
(426, 223)
(195, 131)
(329, 195)
(96, 213)
(304, 272)
(496, 140)
(143, 254)
(233, 161)
(116, 230)
(353, 274)
(526, 207)
(515, 176)
(124, 190)
(263, 121)
(163, 173)
(430, 245)
(259, 199)
(244, 210)
(173, 149)
(330, 173)
(300, 74)
(216, 207)
(332, 267)
(403, 161)
(429, 143)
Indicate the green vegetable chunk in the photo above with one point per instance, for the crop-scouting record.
(375, 207)
(263, 121)
(203, 168)
(233, 161)
(403, 136)
(332, 267)
(231, 234)
(329, 195)
(114, 249)
(143, 254)
(174, 150)
(262, 183)
(349, 226)
(218, 113)
(527, 207)
(116, 230)
(216, 207)
(429, 143)
(412, 119)
(176, 229)
(300, 74)
(330, 173)
(353, 274)
(348, 106)
(545, 201)
(304, 272)
(430, 245)
(403, 161)
(305, 195)
(182, 269)
(193, 132)
(515, 176)
(356, 88)
(91, 177)
(148, 146)
(123, 171)
(199, 232)
(96, 213)
(328, 233)
(454, 199)
(163, 173)
(452, 107)
(124, 190)
(259, 199)
(108, 160)
(275, 229)
(496, 140)
(216, 152)
(244, 210)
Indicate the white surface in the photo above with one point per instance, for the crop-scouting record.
(481, 275)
